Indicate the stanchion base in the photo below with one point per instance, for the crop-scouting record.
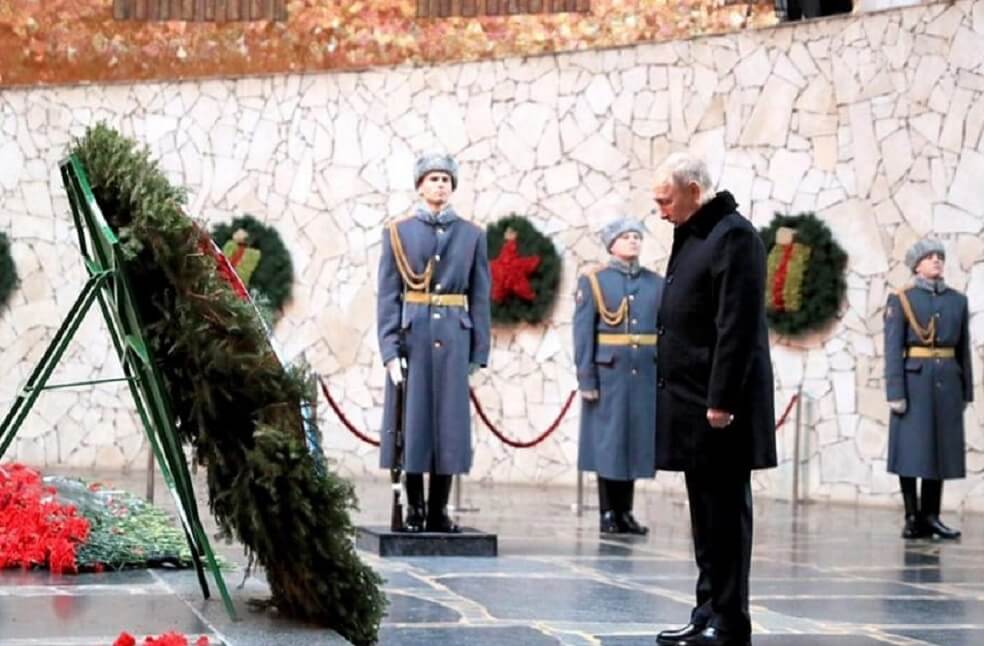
(381, 541)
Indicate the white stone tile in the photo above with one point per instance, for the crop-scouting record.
(970, 250)
(825, 152)
(769, 122)
(928, 73)
(866, 153)
(856, 233)
(786, 170)
(600, 95)
(753, 70)
(896, 151)
(946, 24)
(965, 191)
(949, 219)
(914, 202)
(975, 295)
(561, 178)
(600, 155)
(951, 137)
(11, 164)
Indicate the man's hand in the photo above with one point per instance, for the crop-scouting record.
(473, 368)
(898, 406)
(719, 418)
(394, 372)
(590, 395)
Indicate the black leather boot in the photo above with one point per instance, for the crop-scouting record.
(628, 521)
(416, 513)
(437, 505)
(609, 523)
(914, 527)
(674, 636)
(932, 496)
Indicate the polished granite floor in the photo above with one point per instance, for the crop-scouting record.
(822, 575)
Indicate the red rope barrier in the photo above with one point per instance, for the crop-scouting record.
(785, 413)
(513, 443)
(341, 416)
(488, 423)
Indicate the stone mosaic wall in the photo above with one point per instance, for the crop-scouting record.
(875, 122)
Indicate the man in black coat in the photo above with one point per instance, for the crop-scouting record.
(714, 390)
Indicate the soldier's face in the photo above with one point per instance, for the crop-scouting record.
(676, 203)
(931, 266)
(435, 188)
(627, 245)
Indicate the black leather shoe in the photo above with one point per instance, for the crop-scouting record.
(442, 524)
(609, 523)
(673, 637)
(414, 523)
(631, 525)
(936, 528)
(712, 636)
(915, 527)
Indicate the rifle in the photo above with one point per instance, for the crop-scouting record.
(396, 471)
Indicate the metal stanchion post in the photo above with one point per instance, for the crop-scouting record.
(579, 505)
(796, 444)
(150, 475)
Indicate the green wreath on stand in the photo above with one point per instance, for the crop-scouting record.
(805, 284)
(262, 261)
(525, 271)
(8, 273)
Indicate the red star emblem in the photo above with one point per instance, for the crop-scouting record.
(511, 272)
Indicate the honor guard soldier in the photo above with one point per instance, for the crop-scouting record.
(434, 303)
(928, 384)
(615, 355)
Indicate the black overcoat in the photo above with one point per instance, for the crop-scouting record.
(714, 346)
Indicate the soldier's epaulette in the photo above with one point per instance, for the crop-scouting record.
(398, 219)
(589, 271)
(473, 224)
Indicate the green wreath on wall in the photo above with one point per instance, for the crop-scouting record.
(261, 259)
(8, 273)
(805, 284)
(525, 270)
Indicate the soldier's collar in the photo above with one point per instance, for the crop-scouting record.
(631, 268)
(445, 217)
(937, 286)
(710, 213)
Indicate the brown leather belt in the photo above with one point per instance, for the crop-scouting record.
(922, 352)
(627, 339)
(438, 300)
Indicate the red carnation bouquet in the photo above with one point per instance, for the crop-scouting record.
(167, 639)
(35, 530)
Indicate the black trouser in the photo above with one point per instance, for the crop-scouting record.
(721, 521)
(615, 495)
(931, 499)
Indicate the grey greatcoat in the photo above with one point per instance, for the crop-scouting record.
(440, 341)
(928, 440)
(618, 430)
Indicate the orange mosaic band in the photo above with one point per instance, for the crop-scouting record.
(100, 41)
